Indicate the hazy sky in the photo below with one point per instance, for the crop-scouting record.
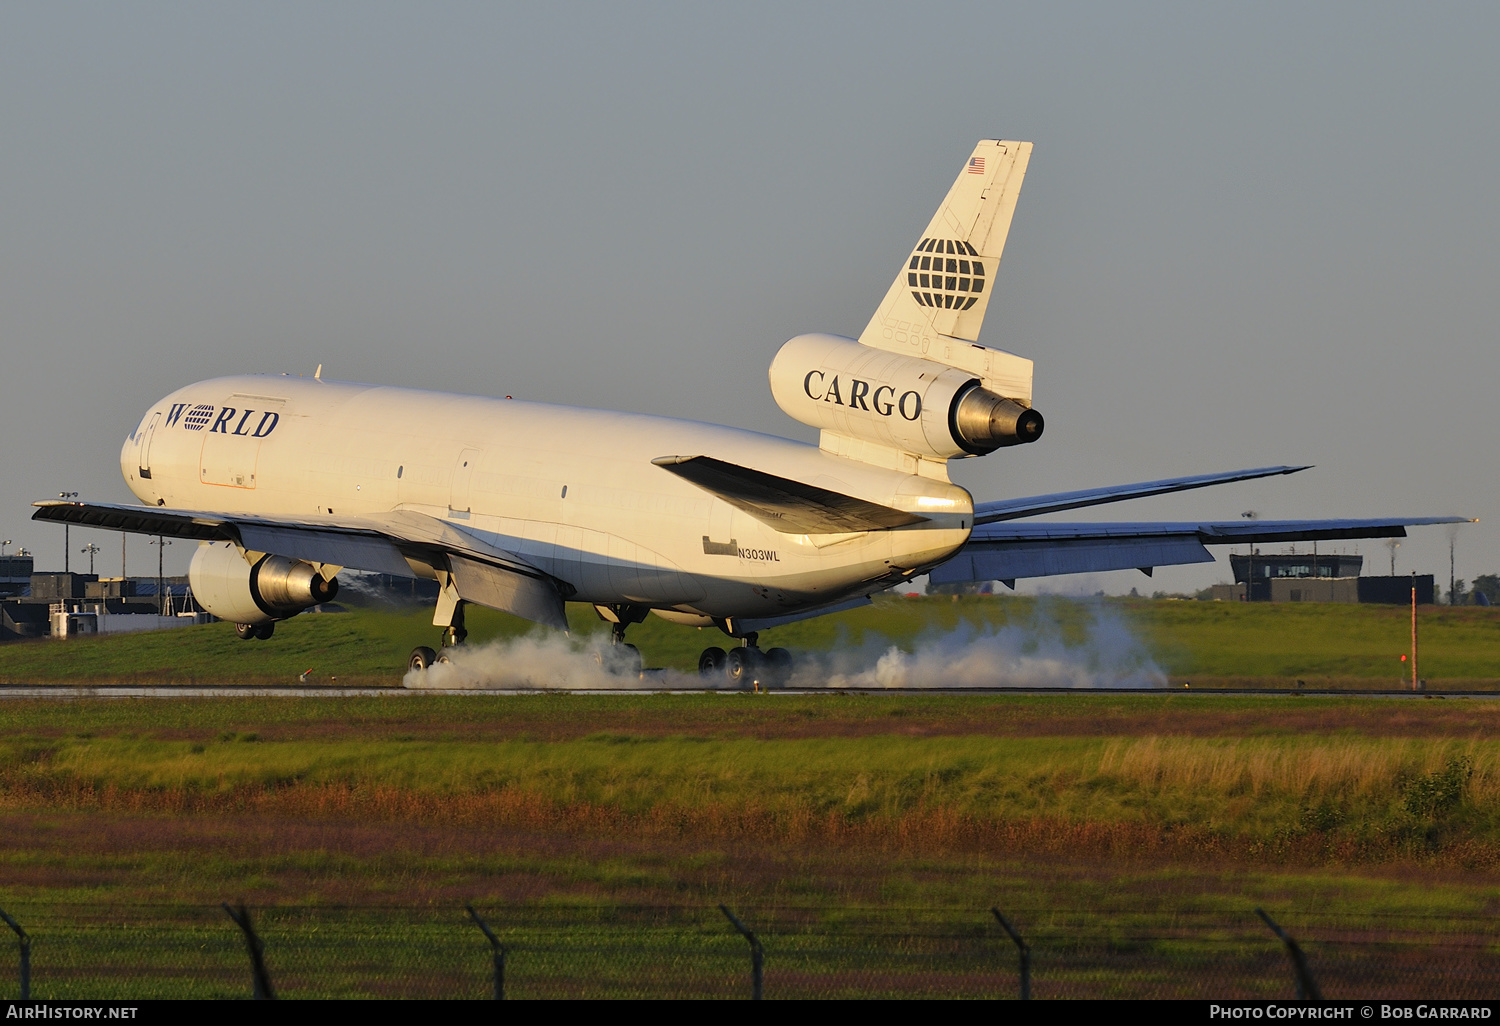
(1249, 235)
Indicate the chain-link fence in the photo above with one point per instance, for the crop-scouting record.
(129, 952)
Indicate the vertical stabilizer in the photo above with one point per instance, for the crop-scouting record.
(936, 305)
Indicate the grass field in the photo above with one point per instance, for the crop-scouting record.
(1182, 775)
(865, 834)
(1207, 643)
(1142, 823)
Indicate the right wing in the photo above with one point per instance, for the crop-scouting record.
(1005, 552)
(388, 543)
(1036, 505)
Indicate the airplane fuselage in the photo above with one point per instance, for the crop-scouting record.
(571, 491)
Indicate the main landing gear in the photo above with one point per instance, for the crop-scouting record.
(454, 634)
(622, 657)
(248, 631)
(746, 666)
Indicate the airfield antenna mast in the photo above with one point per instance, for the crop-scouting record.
(1414, 630)
(161, 601)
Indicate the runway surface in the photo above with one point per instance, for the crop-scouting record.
(104, 691)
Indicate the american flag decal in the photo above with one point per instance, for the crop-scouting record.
(976, 165)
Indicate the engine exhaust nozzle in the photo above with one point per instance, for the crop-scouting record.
(984, 421)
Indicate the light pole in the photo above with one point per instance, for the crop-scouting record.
(3, 544)
(65, 496)
(1249, 514)
(161, 601)
(90, 548)
(1452, 571)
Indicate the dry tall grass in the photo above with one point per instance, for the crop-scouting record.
(1260, 767)
(921, 831)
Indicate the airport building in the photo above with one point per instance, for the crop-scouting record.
(62, 605)
(15, 574)
(1316, 577)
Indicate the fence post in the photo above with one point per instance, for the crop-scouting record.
(496, 948)
(1307, 987)
(258, 974)
(25, 954)
(1022, 947)
(757, 953)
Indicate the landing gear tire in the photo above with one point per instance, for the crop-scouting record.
(620, 660)
(245, 631)
(743, 666)
(711, 663)
(265, 630)
(778, 667)
(443, 656)
(421, 658)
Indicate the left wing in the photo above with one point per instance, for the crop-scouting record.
(388, 543)
(1005, 551)
(791, 507)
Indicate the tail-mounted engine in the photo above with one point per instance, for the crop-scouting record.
(914, 405)
(271, 588)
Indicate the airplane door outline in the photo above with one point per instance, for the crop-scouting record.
(459, 504)
(143, 464)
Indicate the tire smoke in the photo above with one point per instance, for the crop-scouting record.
(1034, 654)
(1030, 655)
(544, 662)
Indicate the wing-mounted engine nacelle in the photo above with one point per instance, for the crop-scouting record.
(902, 402)
(272, 588)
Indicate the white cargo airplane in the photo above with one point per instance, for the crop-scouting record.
(523, 506)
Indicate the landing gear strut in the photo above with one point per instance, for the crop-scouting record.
(454, 633)
(746, 666)
(623, 658)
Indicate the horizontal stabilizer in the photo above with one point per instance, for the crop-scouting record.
(1042, 553)
(1036, 505)
(999, 552)
(791, 507)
